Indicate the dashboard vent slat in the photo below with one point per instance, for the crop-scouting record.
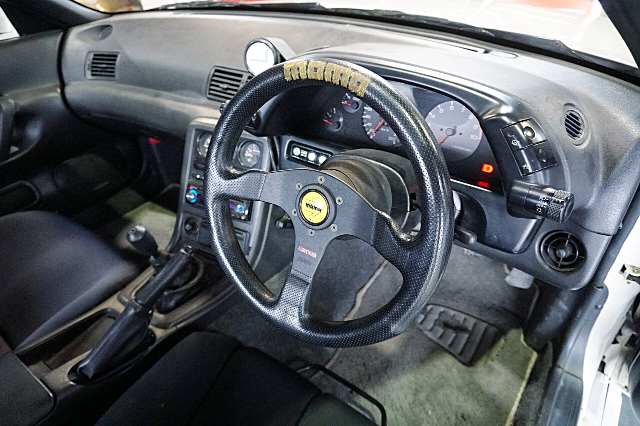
(102, 65)
(574, 124)
(224, 83)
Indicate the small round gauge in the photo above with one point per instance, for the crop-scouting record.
(456, 129)
(259, 56)
(350, 103)
(202, 143)
(250, 154)
(377, 129)
(333, 119)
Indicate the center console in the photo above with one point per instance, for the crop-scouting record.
(253, 220)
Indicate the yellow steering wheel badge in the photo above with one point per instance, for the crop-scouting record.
(314, 207)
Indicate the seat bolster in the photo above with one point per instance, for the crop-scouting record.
(327, 410)
(255, 389)
(171, 391)
(52, 271)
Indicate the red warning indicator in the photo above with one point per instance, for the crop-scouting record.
(487, 168)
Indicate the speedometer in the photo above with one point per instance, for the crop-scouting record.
(377, 129)
(456, 129)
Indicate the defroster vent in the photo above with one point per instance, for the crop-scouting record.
(224, 83)
(102, 65)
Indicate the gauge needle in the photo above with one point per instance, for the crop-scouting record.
(376, 129)
(442, 140)
(327, 121)
(346, 103)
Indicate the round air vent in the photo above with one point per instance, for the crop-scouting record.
(574, 124)
(562, 251)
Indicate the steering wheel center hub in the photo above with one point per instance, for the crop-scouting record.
(316, 206)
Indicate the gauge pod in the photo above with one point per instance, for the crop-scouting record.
(263, 53)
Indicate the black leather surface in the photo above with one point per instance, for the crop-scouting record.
(51, 271)
(208, 379)
(420, 259)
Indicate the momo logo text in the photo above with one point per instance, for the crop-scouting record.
(314, 207)
(327, 71)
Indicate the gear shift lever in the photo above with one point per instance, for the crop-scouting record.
(143, 242)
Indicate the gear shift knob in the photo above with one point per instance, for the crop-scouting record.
(141, 240)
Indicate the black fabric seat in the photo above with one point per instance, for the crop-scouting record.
(209, 379)
(51, 271)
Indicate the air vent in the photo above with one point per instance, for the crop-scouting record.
(574, 124)
(225, 83)
(562, 251)
(102, 65)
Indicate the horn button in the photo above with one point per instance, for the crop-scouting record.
(316, 206)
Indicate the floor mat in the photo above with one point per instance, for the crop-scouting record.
(420, 384)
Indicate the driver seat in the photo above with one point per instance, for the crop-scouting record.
(210, 379)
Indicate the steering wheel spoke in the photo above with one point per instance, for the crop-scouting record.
(246, 186)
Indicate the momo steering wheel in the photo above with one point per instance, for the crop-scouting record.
(323, 207)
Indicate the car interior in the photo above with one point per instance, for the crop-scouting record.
(333, 213)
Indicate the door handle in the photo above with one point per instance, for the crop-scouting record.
(7, 112)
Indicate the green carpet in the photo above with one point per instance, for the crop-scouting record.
(420, 384)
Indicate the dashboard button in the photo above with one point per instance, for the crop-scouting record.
(532, 131)
(535, 158)
(523, 134)
(516, 138)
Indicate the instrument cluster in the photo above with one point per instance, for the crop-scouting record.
(456, 128)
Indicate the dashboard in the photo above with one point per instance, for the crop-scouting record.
(507, 121)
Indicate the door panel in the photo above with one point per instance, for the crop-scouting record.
(43, 145)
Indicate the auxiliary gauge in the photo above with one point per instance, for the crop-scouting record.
(333, 119)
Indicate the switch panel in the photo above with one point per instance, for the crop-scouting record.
(307, 155)
(529, 146)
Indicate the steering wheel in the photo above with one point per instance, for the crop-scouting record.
(324, 207)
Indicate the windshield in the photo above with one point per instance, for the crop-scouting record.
(580, 24)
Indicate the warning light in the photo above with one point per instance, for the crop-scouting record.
(483, 184)
(487, 168)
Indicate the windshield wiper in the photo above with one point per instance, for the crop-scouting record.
(549, 47)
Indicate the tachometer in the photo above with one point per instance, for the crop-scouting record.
(456, 129)
(377, 129)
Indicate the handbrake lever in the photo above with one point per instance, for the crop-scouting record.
(130, 334)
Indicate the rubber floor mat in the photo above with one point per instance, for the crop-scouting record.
(463, 336)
